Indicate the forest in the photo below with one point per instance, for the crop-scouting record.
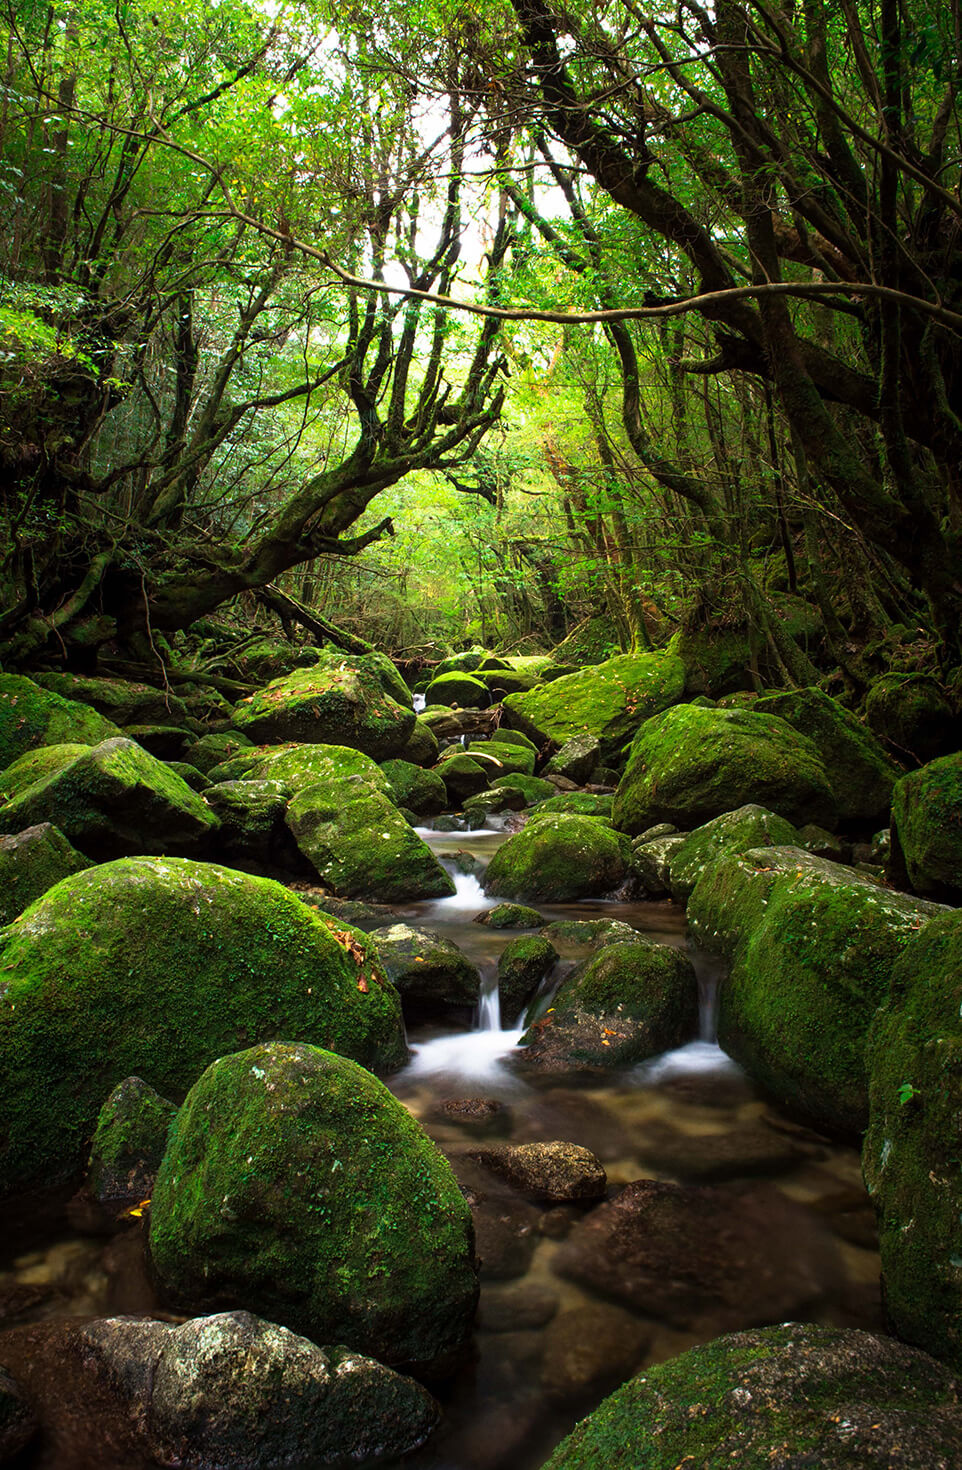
(480, 734)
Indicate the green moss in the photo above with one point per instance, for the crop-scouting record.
(341, 700)
(459, 689)
(608, 701)
(796, 1395)
(153, 967)
(522, 965)
(927, 827)
(296, 1186)
(717, 660)
(31, 716)
(590, 642)
(533, 787)
(422, 747)
(422, 792)
(511, 758)
(690, 764)
(124, 701)
(211, 750)
(733, 832)
(31, 862)
(108, 799)
(578, 803)
(556, 859)
(860, 773)
(510, 916)
(912, 1160)
(912, 713)
(360, 844)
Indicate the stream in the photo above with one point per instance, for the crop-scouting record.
(548, 1348)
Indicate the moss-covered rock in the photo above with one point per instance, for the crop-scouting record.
(575, 803)
(343, 699)
(651, 863)
(522, 965)
(458, 689)
(556, 859)
(294, 1185)
(510, 916)
(252, 829)
(123, 701)
(128, 1143)
(717, 660)
(859, 771)
(422, 747)
(608, 701)
(31, 862)
(534, 788)
(797, 1395)
(911, 1155)
(576, 759)
(628, 1002)
(504, 736)
(270, 658)
(421, 792)
(501, 682)
(463, 776)
(108, 799)
(152, 967)
(361, 846)
(927, 828)
(913, 715)
(430, 972)
(298, 766)
(594, 639)
(461, 663)
(732, 832)
(575, 938)
(31, 716)
(478, 809)
(195, 779)
(690, 764)
(510, 758)
(813, 947)
(166, 742)
(233, 1391)
(210, 750)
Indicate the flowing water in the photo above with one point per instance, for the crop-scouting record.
(548, 1346)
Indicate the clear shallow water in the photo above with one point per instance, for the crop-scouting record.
(525, 1385)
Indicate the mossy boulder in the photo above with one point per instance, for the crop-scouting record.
(460, 663)
(500, 682)
(152, 967)
(575, 938)
(343, 699)
(519, 759)
(123, 701)
(651, 863)
(591, 641)
(576, 803)
(913, 715)
(295, 1186)
(463, 776)
(361, 846)
(690, 764)
(166, 742)
(210, 750)
(510, 916)
(534, 788)
(270, 658)
(927, 828)
(522, 965)
(108, 799)
(797, 1395)
(813, 947)
(428, 969)
(31, 716)
(557, 859)
(31, 862)
(421, 792)
(238, 1393)
(298, 766)
(859, 771)
(717, 660)
(252, 827)
(128, 1143)
(576, 759)
(737, 831)
(911, 1154)
(627, 1002)
(479, 809)
(422, 747)
(608, 701)
(458, 689)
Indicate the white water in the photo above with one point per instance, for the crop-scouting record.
(420, 700)
(696, 1056)
(468, 899)
(474, 1057)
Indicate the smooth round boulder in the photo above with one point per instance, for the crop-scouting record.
(625, 1003)
(798, 1395)
(152, 967)
(551, 1173)
(295, 1186)
(510, 916)
(419, 791)
(233, 1391)
(557, 859)
(342, 699)
(911, 1154)
(458, 688)
(927, 829)
(691, 764)
(463, 776)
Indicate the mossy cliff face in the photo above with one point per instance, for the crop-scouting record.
(295, 1186)
(860, 773)
(815, 1398)
(361, 846)
(813, 946)
(608, 701)
(31, 716)
(628, 1002)
(927, 827)
(690, 764)
(153, 967)
(749, 826)
(911, 1160)
(556, 859)
(108, 799)
(341, 700)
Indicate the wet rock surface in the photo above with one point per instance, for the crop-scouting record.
(551, 1172)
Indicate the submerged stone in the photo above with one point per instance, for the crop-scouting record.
(295, 1186)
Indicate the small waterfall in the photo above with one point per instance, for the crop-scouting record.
(468, 898)
(489, 1004)
(420, 700)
